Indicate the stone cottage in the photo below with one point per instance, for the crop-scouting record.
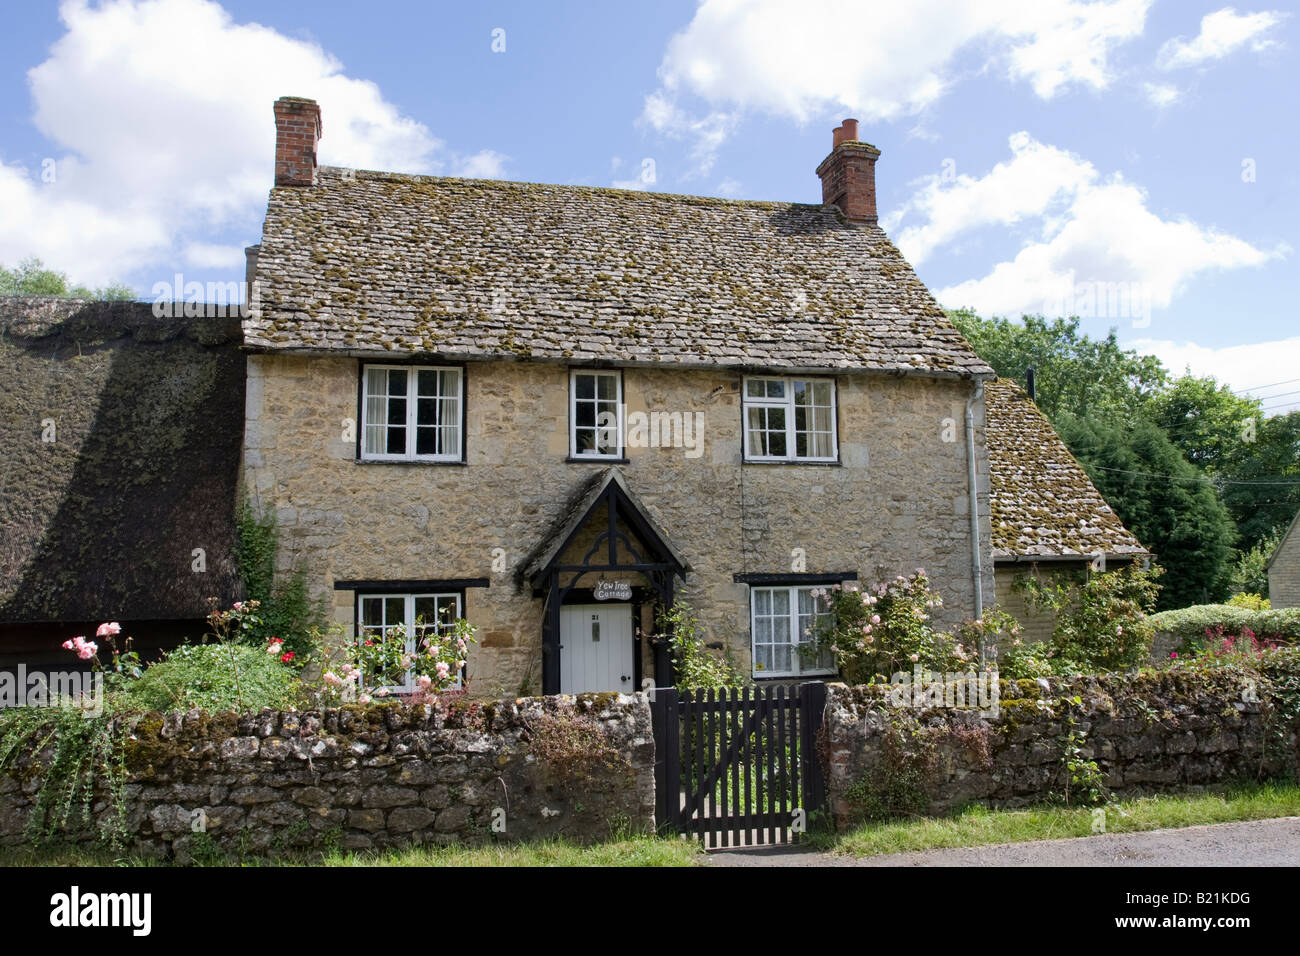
(554, 409)
(1284, 569)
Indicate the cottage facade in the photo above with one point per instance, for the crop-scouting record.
(507, 401)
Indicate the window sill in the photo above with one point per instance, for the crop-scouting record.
(793, 461)
(409, 461)
(595, 460)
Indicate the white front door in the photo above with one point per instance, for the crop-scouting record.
(596, 648)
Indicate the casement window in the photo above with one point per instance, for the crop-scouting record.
(595, 417)
(417, 615)
(790, 419)
(783, 628)
(412, 413)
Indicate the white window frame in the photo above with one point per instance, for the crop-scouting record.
(788, 405)
(615, 374)
(408, 611)
(792, 619)
(412, 409)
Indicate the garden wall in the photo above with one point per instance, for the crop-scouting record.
(369, 777)
(1146, 733)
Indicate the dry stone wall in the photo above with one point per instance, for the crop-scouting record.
(359, 778)
(1147, 733)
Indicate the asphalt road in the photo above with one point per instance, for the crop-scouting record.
(1255, 843)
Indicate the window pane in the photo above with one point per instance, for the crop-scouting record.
(395, 443)
(584, 386)
(775, 388)
(397, 382)
(608, 387)
(584, 414)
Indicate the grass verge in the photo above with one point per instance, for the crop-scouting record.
(979, 826)
(630, 851)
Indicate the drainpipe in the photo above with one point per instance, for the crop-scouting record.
(977, 559)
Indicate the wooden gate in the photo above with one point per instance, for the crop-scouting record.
(738, 766)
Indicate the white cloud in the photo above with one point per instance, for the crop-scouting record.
(1242, 367)
(485, 164)
(208, 255)
(1098, 251)
(705, 134)
(1161, 94)
(1028, 185)
(1222, 32)
(877, 61)
(729, 187)
(163, 133)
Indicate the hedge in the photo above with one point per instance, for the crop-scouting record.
(1192, 622)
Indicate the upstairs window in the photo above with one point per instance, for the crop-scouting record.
(595, 414)
(412, 413)
(790, 419)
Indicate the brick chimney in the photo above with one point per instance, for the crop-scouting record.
(848, 174)
(297, 131)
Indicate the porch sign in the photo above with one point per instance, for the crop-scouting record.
(612, 591)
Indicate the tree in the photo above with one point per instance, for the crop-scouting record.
(30, 277)
(1075, 373)
(1206, 421)
(1261, 480)
(1161, 498)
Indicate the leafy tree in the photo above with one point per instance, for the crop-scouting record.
(30, 277)
(1206, 421)
(1075, 373)
(1161, 498)
(1261, 487)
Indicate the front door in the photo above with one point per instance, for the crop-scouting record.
(596, 648)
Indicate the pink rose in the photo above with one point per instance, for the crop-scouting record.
(87, 651)
(109, 630)
(67, 645)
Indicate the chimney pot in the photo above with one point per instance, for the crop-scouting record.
(848, 174)
(297, 131)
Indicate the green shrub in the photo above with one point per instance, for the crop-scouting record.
(1191, 623)
(1251, 602)
(214, 678)
(286, 609)
(694, 665)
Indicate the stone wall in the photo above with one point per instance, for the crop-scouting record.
(358, 778)
(1147, 733)
(897, 501)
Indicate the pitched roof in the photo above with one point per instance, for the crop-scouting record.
(147, 421)
(1042, 501)
(582, 505)
(1283, 541)
(370, 262)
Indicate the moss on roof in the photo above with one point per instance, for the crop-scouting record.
(1042, 501)
(380, 262)
(147, 422)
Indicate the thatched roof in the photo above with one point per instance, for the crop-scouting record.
(147, 416)
(371, 263)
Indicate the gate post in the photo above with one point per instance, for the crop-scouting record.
(668, 758)
(812, 708)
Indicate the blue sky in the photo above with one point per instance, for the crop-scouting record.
(1128, 160)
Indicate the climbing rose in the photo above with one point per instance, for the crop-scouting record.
(109, 630)
(287, 656)
(87, 650)
(67, 645)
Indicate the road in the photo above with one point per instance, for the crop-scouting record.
(1254, 843)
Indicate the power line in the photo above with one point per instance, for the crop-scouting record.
(1200, 478)
(1252, 388)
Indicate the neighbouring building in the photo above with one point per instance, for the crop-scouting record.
(122, 436)
(1284, 569)
(1048, 519)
